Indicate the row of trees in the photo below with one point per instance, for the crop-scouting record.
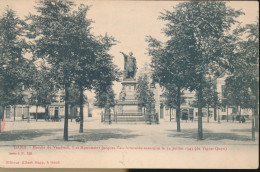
(14, 67)
(201, 46)
(54, 47)
(242, 87)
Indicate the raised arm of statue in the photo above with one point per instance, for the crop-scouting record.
(123, 54)
(125, 59)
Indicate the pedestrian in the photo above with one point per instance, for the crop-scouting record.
(77, 119)
(243, 119)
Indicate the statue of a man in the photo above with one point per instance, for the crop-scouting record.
(129, 66)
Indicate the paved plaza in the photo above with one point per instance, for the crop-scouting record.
(125, 145)
(97, 133)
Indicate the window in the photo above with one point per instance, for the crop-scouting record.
(62, 111)
(51, 111)
(234, 110)
(223, 109)
(191, 112)
(210, 113)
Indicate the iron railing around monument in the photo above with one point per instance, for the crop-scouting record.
(131, 117)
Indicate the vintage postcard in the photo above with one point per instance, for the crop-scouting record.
(129, 84)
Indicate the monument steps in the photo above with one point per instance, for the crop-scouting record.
(130, 119)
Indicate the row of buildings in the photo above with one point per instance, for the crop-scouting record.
(55, 110)
(188, 111)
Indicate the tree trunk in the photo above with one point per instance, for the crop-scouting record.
(75, 111)
(36, 115)
(176, 115)
(215, 113)
(178, 110)
(227, 113)
(1, 117)
(208, 113)
(107, 108)
(200, 132)
(145, 114)
(256, 119)
(253, 125)
(28, 120)
(237, 114)
(46, 111)
(66, 124)
(81, 110)
(14, 111)
(218, 116)
(257, 112)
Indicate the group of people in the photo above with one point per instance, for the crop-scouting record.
(242, 119)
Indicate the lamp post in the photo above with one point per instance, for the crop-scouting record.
(28, 119)
(220, 102)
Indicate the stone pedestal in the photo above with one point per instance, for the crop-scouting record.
(127, 105)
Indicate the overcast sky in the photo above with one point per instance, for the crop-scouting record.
(129, 22)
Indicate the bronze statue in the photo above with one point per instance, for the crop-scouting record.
(129, 66)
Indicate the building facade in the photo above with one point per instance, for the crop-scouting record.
(189, 112)
(55, 110)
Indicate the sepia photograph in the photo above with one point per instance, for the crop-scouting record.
(129, 84)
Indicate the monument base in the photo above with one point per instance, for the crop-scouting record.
(127, 107)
